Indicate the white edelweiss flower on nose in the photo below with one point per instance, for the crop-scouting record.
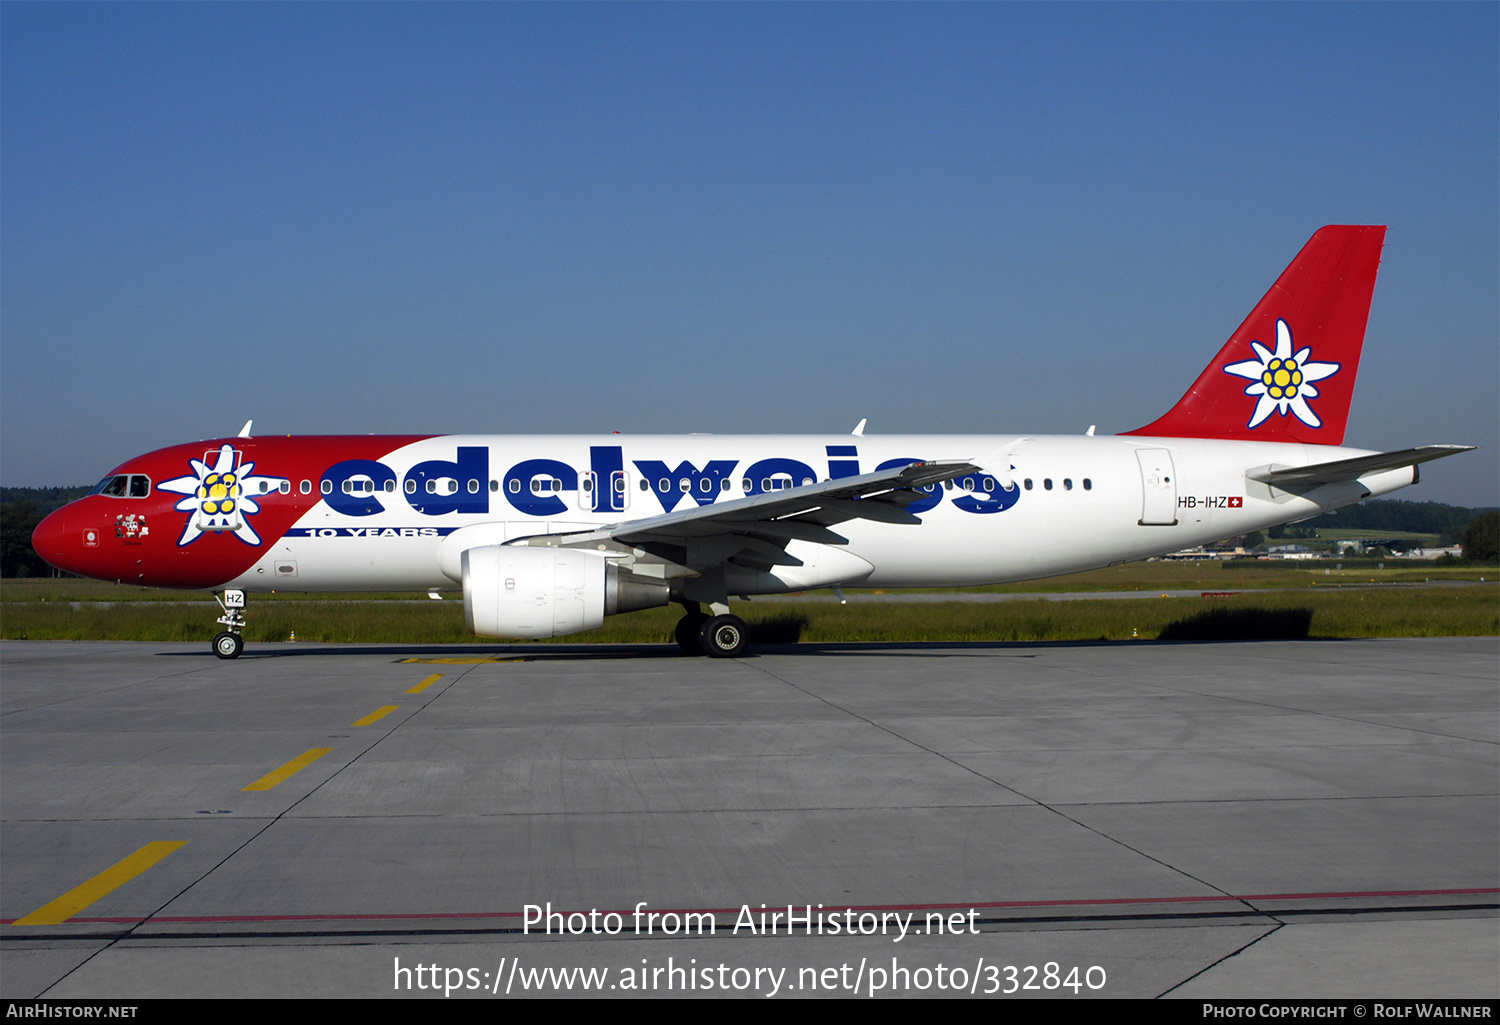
(219, 497)
(1283, 379)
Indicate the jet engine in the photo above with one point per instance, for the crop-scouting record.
(521, 591)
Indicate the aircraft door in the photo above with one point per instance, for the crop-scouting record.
(1159, 484)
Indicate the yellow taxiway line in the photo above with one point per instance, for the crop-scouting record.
(292, 767)
(103, 884)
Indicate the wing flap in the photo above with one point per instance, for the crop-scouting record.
(757, 530)
(868, 496)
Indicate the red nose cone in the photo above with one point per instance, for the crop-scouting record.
(62, 539)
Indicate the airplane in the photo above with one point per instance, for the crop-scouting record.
(548, 535)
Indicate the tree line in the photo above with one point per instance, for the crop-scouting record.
(21, 509)
(1449, 521)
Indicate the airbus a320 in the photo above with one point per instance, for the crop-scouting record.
(549, 535)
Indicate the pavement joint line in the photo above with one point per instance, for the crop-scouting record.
(1251, 904)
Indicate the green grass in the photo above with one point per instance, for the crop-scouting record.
(1400, 611)
(1136, 576)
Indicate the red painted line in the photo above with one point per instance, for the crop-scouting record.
(1210, 898)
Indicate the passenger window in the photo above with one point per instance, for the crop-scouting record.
(494, 485)
(326, 487)
(305, 487)
(515, 486)
(1088, 485)
(285, 487)
(411, 486)
(473, 487)
(1067, 483)
(1028, 483)
(1047, 483)
(390, 486)
(989, 484)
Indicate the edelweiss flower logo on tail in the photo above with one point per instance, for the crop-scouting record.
(220, 497)
(1283, 379)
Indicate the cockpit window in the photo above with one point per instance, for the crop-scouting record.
(124, 485)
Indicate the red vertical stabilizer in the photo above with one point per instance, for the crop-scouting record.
(1288, 373)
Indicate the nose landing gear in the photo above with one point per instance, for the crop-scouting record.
(228, 643)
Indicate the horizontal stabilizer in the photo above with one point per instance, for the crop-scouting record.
(1351, 469)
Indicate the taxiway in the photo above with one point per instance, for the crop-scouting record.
(1294, 819)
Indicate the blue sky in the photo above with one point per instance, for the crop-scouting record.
(350, 218)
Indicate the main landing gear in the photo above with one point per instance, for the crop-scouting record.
(717, 636)
(229, 643)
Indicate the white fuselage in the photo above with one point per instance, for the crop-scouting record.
(1045, 504)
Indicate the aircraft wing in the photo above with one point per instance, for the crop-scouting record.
(1351, 469)
(756, 530)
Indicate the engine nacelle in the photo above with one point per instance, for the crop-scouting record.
(528, 592)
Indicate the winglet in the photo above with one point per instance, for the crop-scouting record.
(245, 430)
